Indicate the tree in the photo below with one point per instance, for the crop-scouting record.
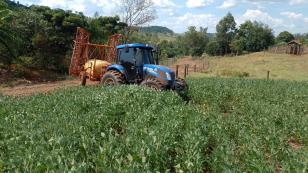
(194, 42)
(7, 53)
(103, 27)
(226, 30)
(136, 13)
(255, 36)
(285, 37)
(237, 45)
(213, 48)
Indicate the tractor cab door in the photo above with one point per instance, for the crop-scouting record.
(127, 59)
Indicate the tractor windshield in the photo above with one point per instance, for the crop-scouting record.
(148, 57)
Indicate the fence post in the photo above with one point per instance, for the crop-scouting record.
(195, 68)
(177, 71)
(268, 75)
(185, 69)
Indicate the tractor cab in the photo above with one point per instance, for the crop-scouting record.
(133, 58)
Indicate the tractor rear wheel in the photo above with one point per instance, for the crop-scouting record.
(154, 84)
(112, 78)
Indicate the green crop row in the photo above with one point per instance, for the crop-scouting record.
(230, 125)
(255, 123)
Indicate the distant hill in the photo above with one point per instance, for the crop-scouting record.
(13, 5)
(156, 29)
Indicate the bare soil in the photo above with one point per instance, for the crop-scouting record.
(294, 144)
(45, 88)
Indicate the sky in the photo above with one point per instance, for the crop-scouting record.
(178, 15)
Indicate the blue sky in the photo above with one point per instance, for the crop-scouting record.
(291, 15)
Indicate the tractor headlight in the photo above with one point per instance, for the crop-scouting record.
(168, 76)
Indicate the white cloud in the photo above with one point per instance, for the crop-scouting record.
(75, 5)
(261, 16)
(297, 2)
(179, 24)
(198, 20)
(163, 3)
(198, 3)
(54, 3)
(100, 3)
(228, 4)
(296, 17)
(292, 15)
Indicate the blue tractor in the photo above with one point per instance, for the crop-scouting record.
(138, 64)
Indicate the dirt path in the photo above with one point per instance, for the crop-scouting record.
(25, 90)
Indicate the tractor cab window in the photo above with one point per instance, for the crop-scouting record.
(144, 56)
(148, 57)
(127, 56)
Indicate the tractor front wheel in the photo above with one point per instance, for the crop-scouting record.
(112, 78)
(180, 85)
(181, 88)
(154, 84)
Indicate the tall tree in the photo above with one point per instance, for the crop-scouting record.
(195, 41)
(102, 27)
(255, 36)
(226, 30)
(136, 13)
(7, 53)
(285, 37)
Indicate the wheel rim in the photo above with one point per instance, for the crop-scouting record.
(109, 82)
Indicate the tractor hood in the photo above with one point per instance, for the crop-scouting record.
(157, 68)
(158, 71)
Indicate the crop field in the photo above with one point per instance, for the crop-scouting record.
(229, 125)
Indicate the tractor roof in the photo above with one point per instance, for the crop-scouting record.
(135, 45)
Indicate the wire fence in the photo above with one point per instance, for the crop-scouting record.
(283, 49)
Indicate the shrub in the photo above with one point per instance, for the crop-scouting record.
(231, 73)
(213, 48)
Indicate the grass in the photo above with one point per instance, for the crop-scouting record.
(230, 125)
(281, 66)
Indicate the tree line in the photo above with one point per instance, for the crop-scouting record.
(38, 37)
(250, 36)
(41, 37)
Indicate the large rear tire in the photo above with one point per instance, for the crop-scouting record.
(154, 84)
(112, 78)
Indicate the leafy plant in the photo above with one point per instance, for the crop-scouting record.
(230, 125)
